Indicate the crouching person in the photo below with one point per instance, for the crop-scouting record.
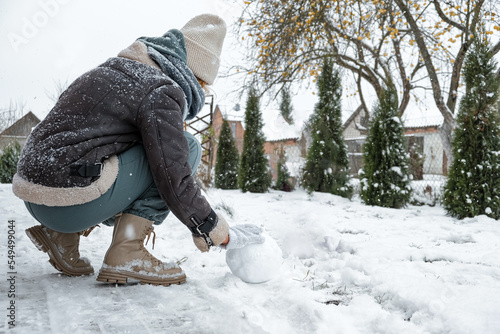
(113, 151)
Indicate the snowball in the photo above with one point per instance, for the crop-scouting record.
(255, 263)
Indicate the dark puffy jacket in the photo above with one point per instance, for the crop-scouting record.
(109, 109)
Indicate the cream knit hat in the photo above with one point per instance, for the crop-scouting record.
(204, 35)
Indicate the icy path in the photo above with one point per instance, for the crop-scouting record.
(348, 268)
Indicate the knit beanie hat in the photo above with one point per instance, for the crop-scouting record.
(204, 35)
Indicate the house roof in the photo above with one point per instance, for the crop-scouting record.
(353, 116)
(422, 122)
(275, 127)
(412, 118)
(231, 115)
(19, 128)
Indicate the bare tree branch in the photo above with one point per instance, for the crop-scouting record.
(380, 42)
(449, 121)
(59, 88)
(445, 18)
(496, 48)
(10, 114)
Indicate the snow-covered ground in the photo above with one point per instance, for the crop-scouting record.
(347, 268)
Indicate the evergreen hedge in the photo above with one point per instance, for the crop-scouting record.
(8, 162)
(253, 175)
(473, 185)
(227, 163)
(385, 177)
(327, 165)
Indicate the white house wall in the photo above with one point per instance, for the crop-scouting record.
(351, 131)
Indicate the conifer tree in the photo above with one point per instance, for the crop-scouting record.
(473, 185)
(385, 178)
(8, 162)
(253, 174)
(327, 165)
(228, 159)
(286, 107)
(283, 179)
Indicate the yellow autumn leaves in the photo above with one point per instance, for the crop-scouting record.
(282, 30)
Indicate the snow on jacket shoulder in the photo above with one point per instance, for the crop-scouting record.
(104, 112)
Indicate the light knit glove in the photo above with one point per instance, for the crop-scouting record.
(217, 235)
(242, 235)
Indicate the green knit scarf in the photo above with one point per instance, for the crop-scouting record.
(169, 52)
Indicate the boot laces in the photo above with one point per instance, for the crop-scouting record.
(87, 232)
(151, 230)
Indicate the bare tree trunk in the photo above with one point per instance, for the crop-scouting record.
(455, 76)
(404, 79)
(449, 122)
(496, 48)
(445, 131)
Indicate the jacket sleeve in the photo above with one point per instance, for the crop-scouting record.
(161, 126)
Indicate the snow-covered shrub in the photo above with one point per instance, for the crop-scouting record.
(473, 186)
(253, 174)
(286, 107)
(385, 178)
(283, 181)
(227, 164)
(327, 165)
(8, 162)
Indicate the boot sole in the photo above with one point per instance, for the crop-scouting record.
(120, 277)
(43, 243)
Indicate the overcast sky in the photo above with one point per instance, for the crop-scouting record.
(46, 42)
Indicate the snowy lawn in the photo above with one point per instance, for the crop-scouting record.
(347, 268)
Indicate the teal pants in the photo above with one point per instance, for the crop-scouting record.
(134, 192)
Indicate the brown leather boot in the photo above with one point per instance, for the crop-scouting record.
(62, 249)
(127, 258)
